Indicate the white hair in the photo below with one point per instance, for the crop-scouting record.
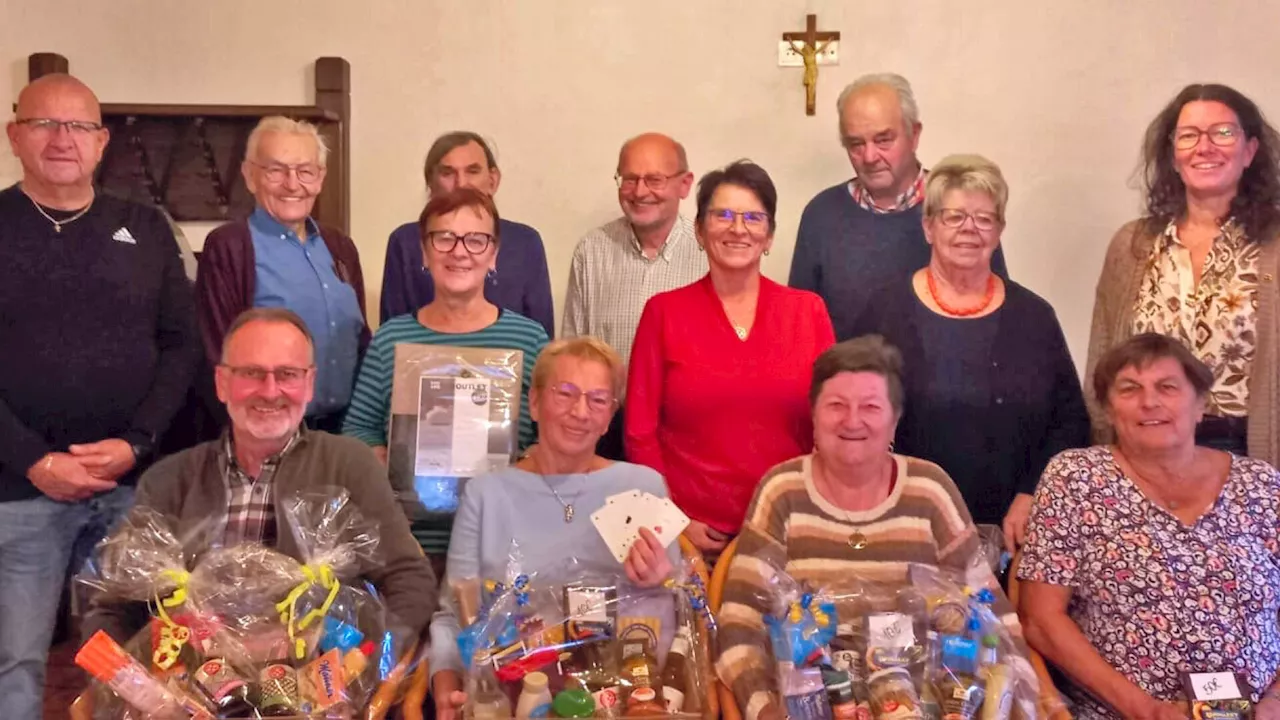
(287, 126)
(900, 86)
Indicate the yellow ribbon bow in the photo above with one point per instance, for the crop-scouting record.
(172, 636)
(321, 575)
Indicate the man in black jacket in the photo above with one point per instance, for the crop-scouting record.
(98, 345)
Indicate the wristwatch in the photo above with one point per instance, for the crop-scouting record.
(142, 445)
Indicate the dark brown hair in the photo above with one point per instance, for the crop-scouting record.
(746, 175)
(1256, 205)
(1140, 351)
(454, 200)
(869, 353)
(449, 142)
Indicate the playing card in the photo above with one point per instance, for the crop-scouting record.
(618, 523)
(665, 520)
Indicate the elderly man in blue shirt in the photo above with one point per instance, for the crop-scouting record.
(521, 282)
(280, 257)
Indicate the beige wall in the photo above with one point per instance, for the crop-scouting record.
(1056, 93)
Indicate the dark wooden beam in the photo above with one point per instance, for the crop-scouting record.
(41, 64)
(333, 95)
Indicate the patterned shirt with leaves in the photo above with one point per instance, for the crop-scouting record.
(1216, 319)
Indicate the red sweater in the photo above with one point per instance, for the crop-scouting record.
(713, 413)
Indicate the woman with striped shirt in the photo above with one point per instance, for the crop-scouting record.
(460, 247)
(850, 508)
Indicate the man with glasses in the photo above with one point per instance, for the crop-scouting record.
(868, 231)
(225, 491)
(280, 257)
(520, 283)
(651, 249)
(98, 344)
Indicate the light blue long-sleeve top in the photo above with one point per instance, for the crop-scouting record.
(517, 504)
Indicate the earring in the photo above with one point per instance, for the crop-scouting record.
(492, 275)
(890, 446)
(766, 253)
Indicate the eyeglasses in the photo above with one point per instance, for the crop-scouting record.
(756, 221)
(446, 240)
(285, 376)
(1222, 135)
(655, 182)
(277, 173)
(49, 126)
(566, 394)
(953, 218)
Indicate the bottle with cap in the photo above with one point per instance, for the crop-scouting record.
(639, 666)
(535, 698)
(488, 701)
(226, 688)
(675, 676)
(278, 689)
(643, 702)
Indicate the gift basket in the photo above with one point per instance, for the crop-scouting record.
(576, 645)
(246, 632)
(454, 416)
(926, 648)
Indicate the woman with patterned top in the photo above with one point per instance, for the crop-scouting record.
(852, 507)
(1203, 265)
(1154, 557)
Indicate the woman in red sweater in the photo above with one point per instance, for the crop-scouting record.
(719, 376)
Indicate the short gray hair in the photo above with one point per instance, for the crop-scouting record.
(899, 84)
(272, 315)
(287, 126)
(869, 353)
(965, 172)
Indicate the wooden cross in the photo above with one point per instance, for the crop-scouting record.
(806, 44)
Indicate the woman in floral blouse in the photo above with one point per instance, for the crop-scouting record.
(1202, 265)
(1153, 557)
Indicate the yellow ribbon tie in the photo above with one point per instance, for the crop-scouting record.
(173, 636)
(321, 575)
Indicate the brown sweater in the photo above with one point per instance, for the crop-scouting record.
(1128, 257)
(188, 487)
(923, 522)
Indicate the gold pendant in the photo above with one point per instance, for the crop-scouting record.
(857, 540)
(568, 513)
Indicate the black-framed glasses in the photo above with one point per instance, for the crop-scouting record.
(756, 221)
(445, 241)
(566, 394)
(276, 173)
(1221, 134)
(49, 126)
(654, 181)
(285, 376)
(954, 218)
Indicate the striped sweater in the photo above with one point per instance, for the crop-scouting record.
(370, 410)
(791, 526)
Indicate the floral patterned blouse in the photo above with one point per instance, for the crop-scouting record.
(1215, 319)
(1156, 597)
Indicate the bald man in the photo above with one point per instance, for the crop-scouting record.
(618, 266)
(868, 232)
(97, 326)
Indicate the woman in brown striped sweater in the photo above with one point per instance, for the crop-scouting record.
(850, 508)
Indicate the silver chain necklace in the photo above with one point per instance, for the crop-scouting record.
(57, 224)
(568, 506)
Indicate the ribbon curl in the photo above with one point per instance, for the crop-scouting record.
(321, 575)
(172, 635)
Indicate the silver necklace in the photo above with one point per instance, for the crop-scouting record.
(741, 331)
(57, 224)
(568, 506)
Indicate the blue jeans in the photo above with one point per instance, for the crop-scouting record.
(40, 539)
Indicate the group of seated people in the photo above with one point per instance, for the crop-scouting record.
(865, 416)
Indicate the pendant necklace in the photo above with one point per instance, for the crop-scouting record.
(568, 506)
(57, 224)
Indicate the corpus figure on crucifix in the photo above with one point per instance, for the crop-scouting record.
(806, 44)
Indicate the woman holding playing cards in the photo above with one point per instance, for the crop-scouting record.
(545, 503)
(850, 508)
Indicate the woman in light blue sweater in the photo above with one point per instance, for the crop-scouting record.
(544, 502)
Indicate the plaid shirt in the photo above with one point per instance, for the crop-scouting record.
(251, 513)
(910, 197)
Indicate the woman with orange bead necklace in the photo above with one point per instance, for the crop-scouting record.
(991, 391)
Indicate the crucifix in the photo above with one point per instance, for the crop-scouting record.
(806, 45)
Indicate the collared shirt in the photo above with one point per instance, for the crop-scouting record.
(611, 279)
(251, 513)
(1217, 319)
(909, 198)
(299, 274)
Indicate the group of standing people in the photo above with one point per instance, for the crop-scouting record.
(901, 375)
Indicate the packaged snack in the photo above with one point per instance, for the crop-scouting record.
(1218, 695)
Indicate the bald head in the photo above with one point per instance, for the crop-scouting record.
(58, 137)
(657, 145)
(653, 177)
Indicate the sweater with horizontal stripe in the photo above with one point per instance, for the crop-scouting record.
(923, 524)
(370, 411)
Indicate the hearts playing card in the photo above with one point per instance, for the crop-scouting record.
(623, 514)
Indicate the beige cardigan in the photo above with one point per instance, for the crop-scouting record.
(1117, 294)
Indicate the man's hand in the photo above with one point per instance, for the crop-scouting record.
(647, 564)
(705, 538)
(1015, 522)
(62, 477)
(105, 459)
(446, 689)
